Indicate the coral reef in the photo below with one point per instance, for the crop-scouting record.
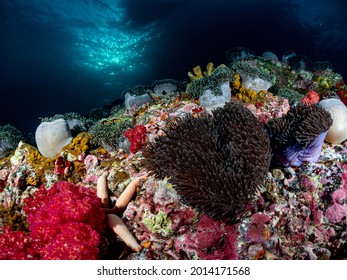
(213, 196)
(299, 213)
(205, 156)
(245, 94)
(342, 91)
(293, 96)
(76, 122)
(158, 218)
(210, 240)
(165, 86)
(137, 96)
(311, 97)
(273, 107)
(17, 245)
(255, 74)
(13, 218)
(136, 100)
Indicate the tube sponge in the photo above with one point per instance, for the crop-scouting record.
(211, 159)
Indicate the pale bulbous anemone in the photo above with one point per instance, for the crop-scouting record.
(215, 162)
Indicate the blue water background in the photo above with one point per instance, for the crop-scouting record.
(62, 56)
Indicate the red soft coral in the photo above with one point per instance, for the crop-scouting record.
(75, 241)
(137, 137)
(311, 98)
(17, 245)
(66, 220)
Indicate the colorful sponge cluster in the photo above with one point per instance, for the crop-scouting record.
(137, 137)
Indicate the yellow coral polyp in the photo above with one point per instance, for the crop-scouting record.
(37, 161)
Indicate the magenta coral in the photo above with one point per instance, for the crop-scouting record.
(137, 137)
(66, 220)
(75, 241)
(17, 245)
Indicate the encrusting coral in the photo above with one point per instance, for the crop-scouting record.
(245, 94)
(298, 136)
(211, 160)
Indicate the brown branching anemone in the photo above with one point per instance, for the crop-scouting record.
(298, 136)
(215, 162)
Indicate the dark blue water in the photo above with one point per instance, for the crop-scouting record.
(60, 56)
